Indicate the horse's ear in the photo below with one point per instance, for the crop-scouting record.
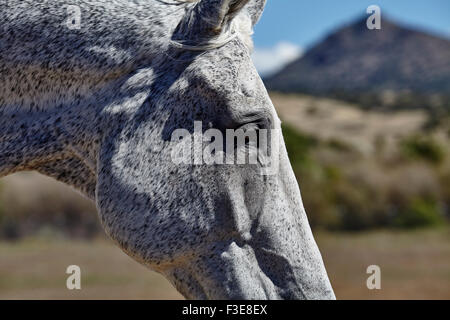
(215, 15)
(255, 9)
(210, 18)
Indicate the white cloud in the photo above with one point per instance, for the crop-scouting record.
(270, 60)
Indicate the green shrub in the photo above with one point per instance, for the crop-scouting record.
(355, 207)
(419, 213)
(339, 145)
(423, 148)
(299, 146)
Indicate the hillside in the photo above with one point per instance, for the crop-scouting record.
(394, 66)
(329, 119)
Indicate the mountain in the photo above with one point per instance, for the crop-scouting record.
(392, 66)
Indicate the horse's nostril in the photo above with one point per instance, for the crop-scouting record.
(281, 272)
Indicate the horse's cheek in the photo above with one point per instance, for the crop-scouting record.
(139, 232)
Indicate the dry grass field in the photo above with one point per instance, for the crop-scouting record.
(414, 265)
(333, 119)
(35, 269)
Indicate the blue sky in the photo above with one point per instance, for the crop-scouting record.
(290, 26)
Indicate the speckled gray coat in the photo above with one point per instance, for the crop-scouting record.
(95, 107)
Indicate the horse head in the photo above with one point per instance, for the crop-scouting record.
(215, 230)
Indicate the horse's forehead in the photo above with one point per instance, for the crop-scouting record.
(229, 67)
(223, 85)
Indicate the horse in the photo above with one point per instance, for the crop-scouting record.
(90, 94)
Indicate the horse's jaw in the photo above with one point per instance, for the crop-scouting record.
(239, 273)
(270, 256)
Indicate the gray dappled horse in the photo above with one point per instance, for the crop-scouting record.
(93, 103)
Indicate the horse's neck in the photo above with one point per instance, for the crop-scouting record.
(55, 80)
(45, 64)
(30, 140)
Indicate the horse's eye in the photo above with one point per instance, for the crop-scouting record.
(249, 127)
(251, 134)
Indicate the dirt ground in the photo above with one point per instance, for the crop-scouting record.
(414, 265)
